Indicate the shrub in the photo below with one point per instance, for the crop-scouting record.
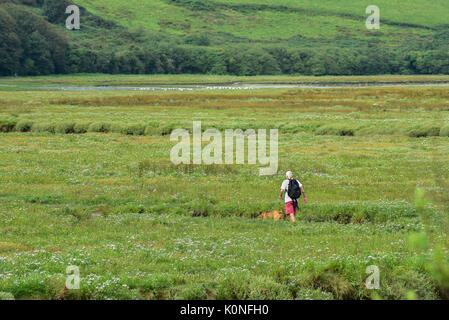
(24, 125)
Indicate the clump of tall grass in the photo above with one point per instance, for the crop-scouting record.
(151, 128)
(165, 128)
(347, 281)
(337, 130)
(79, 213)
(444, 131)
(153, 285)
(200, 208)
(116, 127)
(205, 207)
(81, 127)
(312, 294)
(425, 130)
(300, 127)
(356, 212)
(128, 208)
(160, 129)
(193, 291)
(7, 125)
(244, 209)
(330, 281)
(343, 213)
(24, 126)
(244, 286)
(137, 129)
(64, 127)
(43, 127)
(432, 248)
(157, 168)
(99, 127)
(6, 296)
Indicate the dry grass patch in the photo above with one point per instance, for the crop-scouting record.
(6, 247)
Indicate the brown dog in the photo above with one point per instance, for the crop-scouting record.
(275, 214)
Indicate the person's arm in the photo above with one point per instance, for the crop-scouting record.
(283, 187)
(304, 193)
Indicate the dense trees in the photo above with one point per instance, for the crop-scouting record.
(31, 45)
(35, 47)
(54, 10)
(10, 45)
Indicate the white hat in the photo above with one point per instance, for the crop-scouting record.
(289, 174)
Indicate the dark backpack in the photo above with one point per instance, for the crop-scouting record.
(293, 191)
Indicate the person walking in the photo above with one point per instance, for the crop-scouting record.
(292, 189)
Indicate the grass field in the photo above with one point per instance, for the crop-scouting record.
(265, 20)
(186, 79)
(86, 180)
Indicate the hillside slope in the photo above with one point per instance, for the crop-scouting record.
(239, 37)
(283, 19)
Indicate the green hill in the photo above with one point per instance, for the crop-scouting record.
(262, 20)
(240, 37)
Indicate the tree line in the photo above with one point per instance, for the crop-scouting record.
(31, 44)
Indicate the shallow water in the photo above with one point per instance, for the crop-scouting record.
(223, 87)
